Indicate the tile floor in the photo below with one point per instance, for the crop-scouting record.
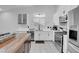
(47, 47)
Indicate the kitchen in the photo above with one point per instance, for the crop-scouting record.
(37, 26)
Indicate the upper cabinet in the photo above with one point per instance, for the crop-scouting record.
(22, 18)
(76, 16)
(73, 16)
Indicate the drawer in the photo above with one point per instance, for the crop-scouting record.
(71, 49)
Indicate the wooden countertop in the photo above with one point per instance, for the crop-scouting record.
(5, 43)
(12, 45)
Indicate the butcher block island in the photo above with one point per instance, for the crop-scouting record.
(16, 43)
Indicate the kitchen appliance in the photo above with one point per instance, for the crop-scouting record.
(73, 35)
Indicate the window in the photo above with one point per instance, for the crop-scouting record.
(22, 18)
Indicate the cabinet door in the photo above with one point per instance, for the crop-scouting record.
(36, 35)
(51, 36)
(44, 35)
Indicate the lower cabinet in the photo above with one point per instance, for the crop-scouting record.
(36, 35)
(72, 48)
(43, 35)
(51, 35)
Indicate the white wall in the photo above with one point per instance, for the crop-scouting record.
(9, 20)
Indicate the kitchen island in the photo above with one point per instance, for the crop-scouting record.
(16, 44)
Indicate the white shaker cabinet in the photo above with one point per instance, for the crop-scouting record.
(51, 35)
(36, 35)
(43, 35)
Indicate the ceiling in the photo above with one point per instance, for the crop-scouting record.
(9, 7)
